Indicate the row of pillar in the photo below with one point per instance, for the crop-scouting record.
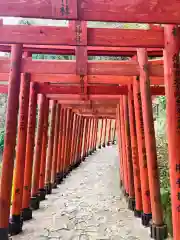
(51, 142)
(137, 144)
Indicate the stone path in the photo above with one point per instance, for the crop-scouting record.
(87, 206)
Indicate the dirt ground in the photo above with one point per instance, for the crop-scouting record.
(87, 206)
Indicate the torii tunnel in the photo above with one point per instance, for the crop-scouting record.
(84, 98)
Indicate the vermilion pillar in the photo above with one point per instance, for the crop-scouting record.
(80, 139)
(73, 140)
(92, 136)
(66, 143)
(101, 131)
(146, 214)
(105, 131)
(172, 86)
(85, 138)
(70, 133)
(65, 171)
(96, 134)
(16, 218)
(124, 149)
(26, 210)
(88, 137)
(37, 155)
(120, 147)
(79, 123)
(158, 229)
(69, 140)
(131, 199)
(114, 133)
(10, 139)
(59, 176)
(48, 184)
(109, 133)
(42, 190)
(55, 147)
(135, 156)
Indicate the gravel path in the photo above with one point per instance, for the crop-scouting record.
(86, 206)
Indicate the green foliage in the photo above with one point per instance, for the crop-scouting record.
(2, 133)
(163, 164)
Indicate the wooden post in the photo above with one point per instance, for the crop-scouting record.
(105, 131)
(65, 172)
(88, 137)
(80, 139)
(124, 149)
(101, 131)
(96, 134)
(85, 139)
(64, 141)
(109, 134)
(42, 190)
(92, 135)
(16, 220)
(55, 147)
(59, 176)
(131, 198)
(172, 86)
(158, 229)
(48, 184)
(135, 156)
(10, 139)
(146, 214)
(70, 134)
(37, 156)
(114, 133)
(73, 140)
(120, 146)
(26, 210)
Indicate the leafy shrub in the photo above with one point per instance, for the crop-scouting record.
(2, 133)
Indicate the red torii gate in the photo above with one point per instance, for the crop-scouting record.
(133, 114)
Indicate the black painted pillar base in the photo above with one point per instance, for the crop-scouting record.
(42, 194)
(114, 142)
(104, 145)
(131, 203)
(137, 213)
(159, 232)
(48, 188)
(15, 225)
(121, 184)
(145, 219)
(99, 146)
(54, 185)
(34, 202)
(4, 233)
(83, 158)
(108, 144)
(27, 214)
(59, 178)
